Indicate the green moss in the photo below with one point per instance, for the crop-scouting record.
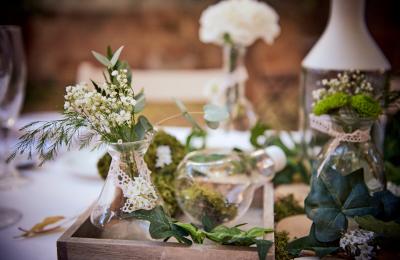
(103, 165)
(287, 206)
(331, 102)
(281, 242)
(366, 106)
(163, 178)
(201, 201)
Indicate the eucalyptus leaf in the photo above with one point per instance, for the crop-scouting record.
(186, 114)
(115, 56)
(102, 59)
(142, 127)
(140, 103)
(214, 113)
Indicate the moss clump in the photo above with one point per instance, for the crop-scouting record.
(163, 178)
(287, 206)
(331, 102)
(281, 242)
(103, 165)
(366, 106)
(200, 201)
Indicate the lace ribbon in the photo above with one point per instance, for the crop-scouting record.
(139, 191)
(325, 125)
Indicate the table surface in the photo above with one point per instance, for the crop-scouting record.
(66, 187)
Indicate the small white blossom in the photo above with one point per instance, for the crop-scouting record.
(261, 139)
(112, 107)
(164, 156)
(358, 244)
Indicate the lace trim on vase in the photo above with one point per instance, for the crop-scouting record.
(139, 191)
(325, 125)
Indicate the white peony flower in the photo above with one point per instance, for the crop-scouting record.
(243, 20)
(164, 156)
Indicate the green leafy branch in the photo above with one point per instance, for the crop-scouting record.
(164, 227)
(61, 132)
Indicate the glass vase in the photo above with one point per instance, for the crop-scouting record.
(241, 113)
(353, 151)
(128, 188)
(220, 184)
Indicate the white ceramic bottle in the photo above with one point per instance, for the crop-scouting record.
(346, 44)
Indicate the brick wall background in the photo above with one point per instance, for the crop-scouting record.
(161, 34)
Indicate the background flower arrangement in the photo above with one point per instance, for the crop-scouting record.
(240, 21)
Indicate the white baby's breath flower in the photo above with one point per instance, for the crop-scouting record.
(164, 156)
(358, 244)
(261, 139)
(243, 20)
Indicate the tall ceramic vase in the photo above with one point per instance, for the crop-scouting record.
(346, 44)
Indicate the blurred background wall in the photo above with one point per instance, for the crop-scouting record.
(160, 34)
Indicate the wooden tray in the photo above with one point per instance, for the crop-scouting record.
(82, 240)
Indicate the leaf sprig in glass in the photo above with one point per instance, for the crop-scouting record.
(109, 110)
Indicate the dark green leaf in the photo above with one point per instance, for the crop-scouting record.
(263, 247)
(258, 129)
(389, 229)
(333, 198)
(311, 243)
(390, 205)
(208, 223)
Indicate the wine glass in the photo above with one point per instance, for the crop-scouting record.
(12, 84)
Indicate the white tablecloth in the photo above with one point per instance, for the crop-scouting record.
(67, 186)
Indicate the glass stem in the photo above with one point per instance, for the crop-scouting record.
(4, 145)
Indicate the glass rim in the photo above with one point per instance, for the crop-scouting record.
(148, 137)
(209, 151)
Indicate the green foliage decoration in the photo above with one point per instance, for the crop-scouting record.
(287, 206)
(333, 198)
(366, 106)
(281, 243)
(330, 103)
(164, 227)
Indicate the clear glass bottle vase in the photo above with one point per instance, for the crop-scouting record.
(347, 157)
(128, 188)
(241, 113)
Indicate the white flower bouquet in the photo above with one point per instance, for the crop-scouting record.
(240, 21)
